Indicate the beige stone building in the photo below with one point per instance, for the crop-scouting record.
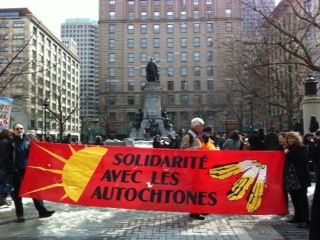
(44, 74)
(186, 38)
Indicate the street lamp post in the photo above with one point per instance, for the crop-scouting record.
(45, 105)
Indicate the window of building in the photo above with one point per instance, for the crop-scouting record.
(196, 42)
(196, 27)
(112, 28)
(196, 56)
(229, 27)
(130, 100)
(156, 42)
(170, 15)
(171, 100)
(170, 56)
(112, 72)
(144, 15)
(144, 57)
(210, 71)
(131, 16)
(183, 15)
(196, 71)
(131, 85)
(111, 86)
(184, 71)
(197, 85)
(112, 15)
(183, 2)
(184, 57)
(197, 99)
(170, 2)
(131, 2)
(170, 28)
(170, 85)
(209, 14)
(112, 43)
(144, 3)
(143, 72)
(183, 42)
(196, 2)
(196, 14)
(209, 2)
(156, 3)
(112, 2)
(111, 101)
(209, 42)
(183, 27)
(156, 28)
(210, 85)
(131, 72)
(143, 28)
(170, 71)
(143, 43)
(112, 57)
(228, 12)
(156, 57)
(130, 57)
(209, 27)
(18, 36)
(156, 15)
(210, 56)
(130, 29)
(184, 101)
(18, 24)
(130, 43)
(170, 43)
(184, 85)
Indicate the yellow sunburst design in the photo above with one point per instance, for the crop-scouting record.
(77, 170)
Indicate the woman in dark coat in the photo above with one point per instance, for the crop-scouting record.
(297, 179)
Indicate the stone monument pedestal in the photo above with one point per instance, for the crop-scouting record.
(310, 106)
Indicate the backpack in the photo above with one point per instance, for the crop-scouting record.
(190, 139)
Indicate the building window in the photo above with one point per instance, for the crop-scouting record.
(112, 57)
(18, 36)
(130, 43)
(183, 42)
(184, 71)
(18, 24)
(131, 85)
(210, 56)
(112, 72)
(184, 101)
(184, 85)
(183, 27)
(112, 15)
(143, 28)
(196, 71)
(229, 27)
(210, 71)
(144, 57)
(111, 101)
(156, 42)
(170, 28)
(131, 16)
(197, 99)
(183, 2)
(171, 100)
(183, 15)
(130, 29)
(156, 57)
(156, 28)
(196, 27)
(170, 2)
(144, 15)
(209, 2)
(209, 27)
(209, 42)
(156, 15)
(131, 2)
(196, 42)
(196, 14)
(143, 43)
(170, 43)
(170, 15)
(196, 2)
(184, 57)
(130, 100)
(170, 57)
(170, 85)
(112, 2)
(196, 56)
(156, 3)
(144, 3)
(131, 72)
(209, 14)
(228, 12)
(112, 28)
(143, 72)
(197, 85)
(111, 86)
(112, 43)
(170, 71)
(130, 57)
(210, 85)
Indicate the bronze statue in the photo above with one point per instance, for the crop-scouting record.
(152, 71)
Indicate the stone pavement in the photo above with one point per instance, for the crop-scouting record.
(73, 222)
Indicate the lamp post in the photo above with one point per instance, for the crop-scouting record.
(45, 104)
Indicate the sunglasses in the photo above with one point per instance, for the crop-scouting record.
(19, 129)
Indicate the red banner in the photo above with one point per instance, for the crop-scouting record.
(220, 182)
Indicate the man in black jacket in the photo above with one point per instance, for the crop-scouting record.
(21, 150)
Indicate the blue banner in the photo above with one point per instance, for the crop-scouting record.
(5, 110)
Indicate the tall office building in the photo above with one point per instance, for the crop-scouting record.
(85, 32)
(185, 38)
(45, 74)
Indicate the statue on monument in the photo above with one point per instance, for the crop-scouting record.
(152, 71)
(138, 120)
(166, 120)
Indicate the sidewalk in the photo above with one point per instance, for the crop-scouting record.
(73, 222)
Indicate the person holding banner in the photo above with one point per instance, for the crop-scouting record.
(21, 150)
(194, 140)
(296, 179)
